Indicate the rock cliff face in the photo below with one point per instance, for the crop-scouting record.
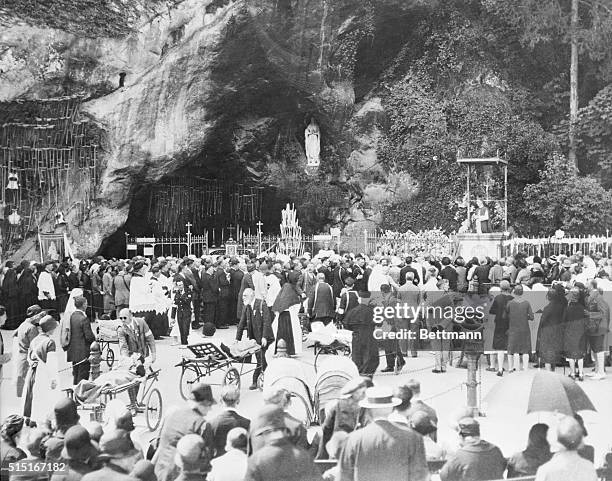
(221, 88)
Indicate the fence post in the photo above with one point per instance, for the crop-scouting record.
(365, 242)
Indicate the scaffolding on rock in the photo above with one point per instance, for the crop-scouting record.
(48, 164)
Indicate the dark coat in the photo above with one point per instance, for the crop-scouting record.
(384, 450)
(108, 473)
(9, 453)
(321, 302)
(210, 288)
(222, 424)
(297, 435)
(403, 272)
(281, 461)
(176, 425)
(478, 461)
(550, 331)
(236, 276)
(223, 282)
(257, 323)
(81, 337)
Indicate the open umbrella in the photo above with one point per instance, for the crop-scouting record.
(538, 391)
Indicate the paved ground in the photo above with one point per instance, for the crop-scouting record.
(445, 392)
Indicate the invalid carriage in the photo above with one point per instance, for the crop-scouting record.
(206, 359)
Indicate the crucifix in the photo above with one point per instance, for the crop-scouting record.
(231, 229)
(188, 225)
(259, 226)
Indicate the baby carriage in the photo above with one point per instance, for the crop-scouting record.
(311, 390)
(297, 378)
(333, 373)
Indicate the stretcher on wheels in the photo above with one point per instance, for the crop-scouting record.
(94, 396)
(207, 358)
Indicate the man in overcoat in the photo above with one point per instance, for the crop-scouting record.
(81, 337)
(255, 319)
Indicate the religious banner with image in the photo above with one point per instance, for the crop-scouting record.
(52, 247)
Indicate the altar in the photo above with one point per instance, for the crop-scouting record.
(480, 245)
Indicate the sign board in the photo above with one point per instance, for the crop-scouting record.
(322, 237)
(131, 247)
(144, 240)
(148, 251)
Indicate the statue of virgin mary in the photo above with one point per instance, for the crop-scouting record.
(313, 143)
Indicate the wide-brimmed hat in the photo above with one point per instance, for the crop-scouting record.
(379, 397)
(270, 418)
(48, 323)
(77, 444)
(353, 385)
(116, 444)
(202, 392)
(469, 427)
(66, 412)
(567, 263)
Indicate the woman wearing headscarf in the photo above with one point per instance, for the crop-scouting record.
(537, 452)
(42, 380)
(286, 324)
(574, 333)
(9, 295)
(62, 286)
(9, 436)
(28, 290)
(550, 333)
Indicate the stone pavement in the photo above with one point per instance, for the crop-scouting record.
(444, 392)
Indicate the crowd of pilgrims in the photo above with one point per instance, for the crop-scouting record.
(373, 432)
(369, 433)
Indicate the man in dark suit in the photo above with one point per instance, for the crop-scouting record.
(225, 291)
(227, 420)
(408, 268)
(194, 278)
(186, 420)
(256, 320)
(210, 294)
(321, 304)
(236, 276)
(81, 337)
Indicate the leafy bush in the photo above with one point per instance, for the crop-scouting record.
(564, 200)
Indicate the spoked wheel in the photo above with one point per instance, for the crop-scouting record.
(153, 409)
(110, 357)
(189, 377)
(232, 378)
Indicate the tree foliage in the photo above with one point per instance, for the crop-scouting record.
(564, 200)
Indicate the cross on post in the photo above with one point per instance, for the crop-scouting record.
(231, 229)
(189, 225)
(259, 226)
